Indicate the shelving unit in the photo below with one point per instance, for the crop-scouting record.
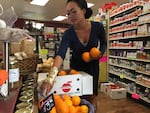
(51, 44)
(128, 49)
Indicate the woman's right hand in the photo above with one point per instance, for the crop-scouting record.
(45, 88)
(47, 84)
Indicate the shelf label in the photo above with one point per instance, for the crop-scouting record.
(129, 58)
(14, 75)
(43, 51)
(103, 59)
(142, 49)
(135, 96)
(47, 104)
(122, 76)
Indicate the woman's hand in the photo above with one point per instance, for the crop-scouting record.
(46, 87)
(47, 84)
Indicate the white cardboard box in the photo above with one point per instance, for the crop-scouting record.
(79, 84)
(104, 88)
(117, 93)
(87, 84)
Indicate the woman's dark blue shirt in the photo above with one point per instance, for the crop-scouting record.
(70, 39)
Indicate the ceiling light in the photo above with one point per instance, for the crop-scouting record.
(90, 5)
(60, 18)
(39, 2)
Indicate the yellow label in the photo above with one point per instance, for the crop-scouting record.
(121, 76)
(43, 51)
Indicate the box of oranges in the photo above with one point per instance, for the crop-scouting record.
(75, 83)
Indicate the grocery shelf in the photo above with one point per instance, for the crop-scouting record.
(121, 22)
(126, 45)
(132, 28)
(126, 67)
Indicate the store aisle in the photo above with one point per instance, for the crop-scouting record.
(106, 105)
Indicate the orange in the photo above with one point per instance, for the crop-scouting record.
(86, 56)
(72, 109)
(39, 102)
(62, 107)
(76, 100)
(95, 53)
(69, 102)
(57, 99)
(3, 76)
(62, 73)
(77, 109)
(56, 96)
(73, 71)
(66, 97)
(53, 110)
(84, 109)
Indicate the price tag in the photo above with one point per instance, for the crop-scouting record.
(14, 75)
(4, 89)
(47, 104)
(142, 49)
(135, 96)
(121, 76)
(43, 51)
(129, 58)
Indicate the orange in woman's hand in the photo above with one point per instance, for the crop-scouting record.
(95, 53)
(86, 56)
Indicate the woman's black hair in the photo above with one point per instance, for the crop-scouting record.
(83, 5)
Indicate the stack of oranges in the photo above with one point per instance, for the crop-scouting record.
(68, 72)
(68, 104)
(94, 53)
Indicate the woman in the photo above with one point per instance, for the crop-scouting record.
(81, 36)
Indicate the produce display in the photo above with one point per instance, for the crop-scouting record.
(68, 72)
(68, 104)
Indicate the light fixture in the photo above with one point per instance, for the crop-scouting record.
(90, 5)
(60, 18)
(39, 2)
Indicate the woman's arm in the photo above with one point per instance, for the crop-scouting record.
(47, 84)
(58, 61)
(103, 41)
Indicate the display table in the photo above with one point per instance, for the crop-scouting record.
(7, 105)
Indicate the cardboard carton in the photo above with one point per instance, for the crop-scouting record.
(117, 93)
(76, 84)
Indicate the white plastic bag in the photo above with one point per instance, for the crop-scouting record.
(9, 16)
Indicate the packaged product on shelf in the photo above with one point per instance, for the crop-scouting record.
(13, 74)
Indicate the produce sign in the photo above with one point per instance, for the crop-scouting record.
(47, 104)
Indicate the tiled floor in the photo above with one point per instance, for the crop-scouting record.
(106, 105)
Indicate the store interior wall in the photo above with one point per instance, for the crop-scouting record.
(52, 9)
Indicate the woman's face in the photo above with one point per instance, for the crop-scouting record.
(75, 13)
